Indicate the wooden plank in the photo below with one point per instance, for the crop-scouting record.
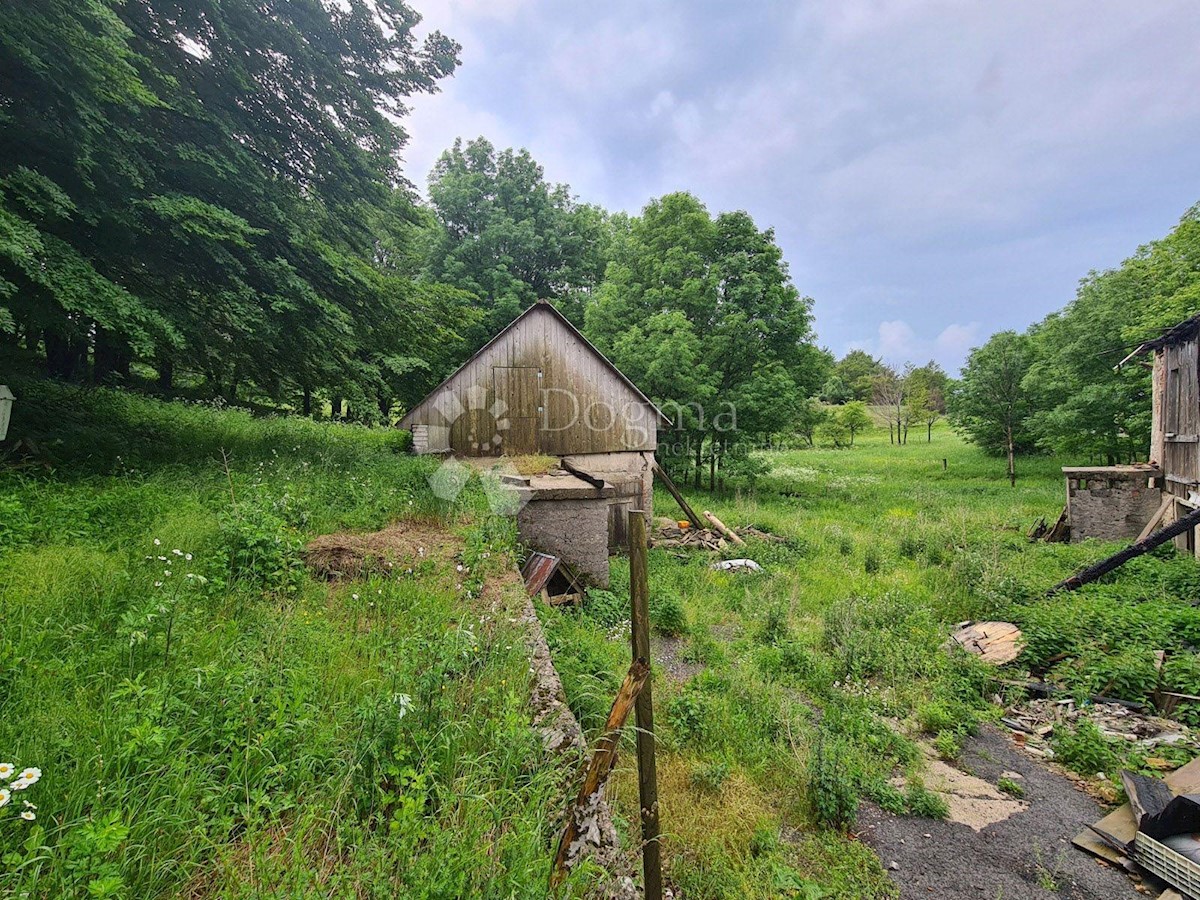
(1120, 823)
(674, 492)
(723, 528)
(1156, 518)
(601, 764)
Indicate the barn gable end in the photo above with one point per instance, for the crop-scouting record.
(539, 386)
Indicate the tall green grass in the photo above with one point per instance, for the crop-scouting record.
(806, 671)
(209, 720)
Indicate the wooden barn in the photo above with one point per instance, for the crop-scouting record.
(1175, 420)
(1126, 502)
(540, 387)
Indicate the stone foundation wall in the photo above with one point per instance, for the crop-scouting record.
(1110, 505)
(576, 531)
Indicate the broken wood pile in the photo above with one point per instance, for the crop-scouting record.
(669, 533)
(1034, 721)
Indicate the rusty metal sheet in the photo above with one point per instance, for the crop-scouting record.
(537, 571)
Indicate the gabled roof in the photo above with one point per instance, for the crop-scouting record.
(1184, 331)
(544, 306)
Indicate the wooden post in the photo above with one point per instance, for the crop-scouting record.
(639, 599)
(603, 759)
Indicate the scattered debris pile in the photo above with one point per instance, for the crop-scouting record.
(400, 546)
(669, 533)
(1034, 721)
(1155, 832)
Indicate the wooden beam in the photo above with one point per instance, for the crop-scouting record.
(1157, 517)
(603, 759)
(591, 479)
(674, 492)
(724, 529)
(639, 598)
(1091, 573)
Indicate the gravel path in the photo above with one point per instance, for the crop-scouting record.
(1028, 855)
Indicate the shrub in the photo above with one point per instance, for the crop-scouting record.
(710, 777)
(667, 615)
(774, 626)
(871, 561)
(1010, 787)
(831, 787)
(924, 803)
(947, 745)
(1084, 749)
(259, 549)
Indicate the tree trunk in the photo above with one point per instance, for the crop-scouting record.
(335, 407)
(891, 430)
(929, 433)
(699, 462)
(385, 408)
(306, 400)
(1012, 469)
(62, 356)
(110, 356)
(712, 465)
(166, 375)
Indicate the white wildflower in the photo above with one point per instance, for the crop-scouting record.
(167, 572)
(6, 771)
(28, 805)
(28, 815)
(188, 557)
(355, 596)
(5, 796)
(177, 552)
(32, 774)
(157, 542)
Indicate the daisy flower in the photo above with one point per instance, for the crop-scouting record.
(30, 775)
(5, 796)
(28, 815)
(6, 771)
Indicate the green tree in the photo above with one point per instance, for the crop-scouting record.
(203, 185)
(509, 237)
(809, 418)
(858, 370)
(727, 280)
(854, 418)
(990, 404)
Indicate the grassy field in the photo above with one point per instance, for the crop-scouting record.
(777, 693)
(210, 720)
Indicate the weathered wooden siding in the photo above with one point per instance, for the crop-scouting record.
(537, 388)
(1175, 435)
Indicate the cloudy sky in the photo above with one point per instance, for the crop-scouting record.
(935, 171)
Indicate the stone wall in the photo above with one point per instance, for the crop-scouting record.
(1110, 504)
(576, 531)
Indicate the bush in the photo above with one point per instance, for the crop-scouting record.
(831, 786)
(774, 626)
(924, 803)
(259, 549)
(710, 777)
(1084, 749)
(667, 615)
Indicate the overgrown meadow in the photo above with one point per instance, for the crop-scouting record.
(208, 719)
(779, 697)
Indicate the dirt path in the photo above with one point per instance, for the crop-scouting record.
(1026, 854)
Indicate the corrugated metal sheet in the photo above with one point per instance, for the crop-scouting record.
(537, 571)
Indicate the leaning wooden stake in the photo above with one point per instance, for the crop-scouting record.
(1091, 573)
(639, 597)
(603, 759)
(723, 528)
(674, 492)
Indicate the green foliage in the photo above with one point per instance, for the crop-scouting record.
(1084, 749)
(667, 615)
(991, 404)
(831, 789)
(924, 803)
(1010, 787)
(188, 729)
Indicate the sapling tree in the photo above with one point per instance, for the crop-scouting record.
(990, 405)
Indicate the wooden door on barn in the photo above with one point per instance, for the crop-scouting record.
(517, 393)
(1181, 425)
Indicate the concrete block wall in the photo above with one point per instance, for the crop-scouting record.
(576, 531)
(1110, 506)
